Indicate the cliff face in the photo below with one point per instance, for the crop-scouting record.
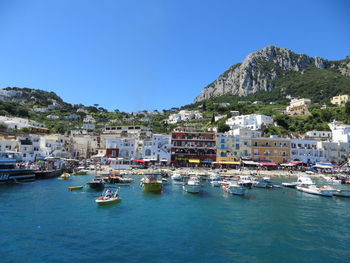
(260, 68)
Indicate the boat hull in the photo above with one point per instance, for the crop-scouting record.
(16, 175)
(322, 192)
(193, 189)
(152, 187)
(108, 202)
(73, 188)
(236, 190)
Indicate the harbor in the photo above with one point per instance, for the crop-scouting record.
(265, 225)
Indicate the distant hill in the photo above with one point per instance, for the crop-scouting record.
(274, 72)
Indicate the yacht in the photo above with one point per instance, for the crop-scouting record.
(193, 185)
(317, 190)
(151, 183)
(235, 188)
(245, 181)
(10, 173)
(302, 181)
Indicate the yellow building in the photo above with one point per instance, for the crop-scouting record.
(340, 100)
(272, 149)
(227, 149)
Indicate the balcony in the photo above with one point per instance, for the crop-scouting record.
(194, 147)
(193, 139)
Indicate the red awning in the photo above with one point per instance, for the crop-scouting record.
(268, 164)
(138, 160)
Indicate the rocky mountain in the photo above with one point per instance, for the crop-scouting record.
(260, 70)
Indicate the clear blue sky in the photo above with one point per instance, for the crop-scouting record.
(154, 54)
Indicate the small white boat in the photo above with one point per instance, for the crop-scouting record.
(215, 183)
(317, 190)
(267, 179)
(176, 177)
(108, 197)
(302, 180)
(245, 181)
(193, 185)
(234, 188)
(342, 193)
(332, 180)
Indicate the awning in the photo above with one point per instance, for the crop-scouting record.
(250, 163)
(324, 165)
(268, 164)
(193, 161)
(138, 160)
(290, 164)
(207, 161)
(228, 162)
(98, 156)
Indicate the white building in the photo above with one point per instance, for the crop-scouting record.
(184, 115)
(89, 119)
(89, 126)
(40, 109)
(298, 106)
(82, 110)
(8, 144)
(29, 147)
(53, 117)
(19, 123)
(157, 148)
(320, 135)
(72, 117)
(219, 117)
(84, 146)
(306, 151)
(340, 132)
(251, 121)
(126, 148)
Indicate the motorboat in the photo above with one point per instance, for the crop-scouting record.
(332, 180)
(234, 188)
(317, 190)
(164, 181)
(267, 179)
(176, 177)
(245, 181)
(80, 172)
(193, 185)
(120, 180)
(9, 170)
(73, 188)
(151, 183)
(215, 183)
(97, 184)
(302, 181)
(109, 196)
(65, 176)
(342, 193)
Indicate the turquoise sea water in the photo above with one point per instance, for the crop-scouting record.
(43, 222)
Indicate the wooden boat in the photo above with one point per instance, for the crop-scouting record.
(108, 197)
(72, 188)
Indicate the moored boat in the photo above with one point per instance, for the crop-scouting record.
(10, 173)
(317, 190)
(73, 188)
(193, 185)
(64, 176)
(96, 183)
(245, 181)
(234, 188)
(150, 183)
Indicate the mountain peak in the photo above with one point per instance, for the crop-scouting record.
(258, 71)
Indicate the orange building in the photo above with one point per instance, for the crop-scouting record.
(272, 149)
